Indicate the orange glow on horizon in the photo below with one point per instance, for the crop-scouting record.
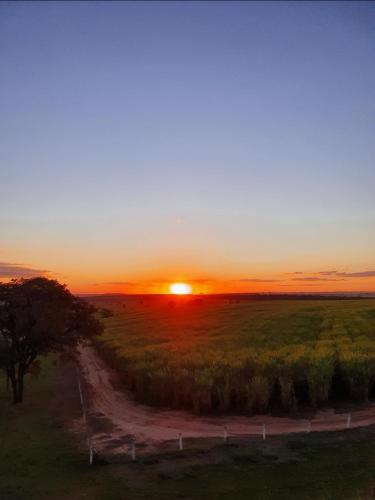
(264, 284)
(180, 288)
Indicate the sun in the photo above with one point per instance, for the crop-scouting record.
(180, 288)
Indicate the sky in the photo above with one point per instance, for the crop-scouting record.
(226, 144)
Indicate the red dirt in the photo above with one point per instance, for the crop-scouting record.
(150, 427)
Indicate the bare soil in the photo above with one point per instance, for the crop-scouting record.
(115, 419)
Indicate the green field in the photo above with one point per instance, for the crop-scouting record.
(211, 354)
(39, 458)
(42, 459)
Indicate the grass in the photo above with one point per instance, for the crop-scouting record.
(325, 475)
(211, 354)
(40, 459)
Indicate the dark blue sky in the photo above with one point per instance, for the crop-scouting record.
(251, 124)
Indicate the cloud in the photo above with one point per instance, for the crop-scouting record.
(361, 274)
(202, 280)
(114, 283)
(257, 280)
(8, 270)
(314, 278)
(332, 275)
(327, 273)
(120, 283)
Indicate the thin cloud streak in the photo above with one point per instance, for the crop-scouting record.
(313, 278)
(202, 280)
(257, 280)
(8, 270)
(360, 274)
(115, 283)
(120, 283)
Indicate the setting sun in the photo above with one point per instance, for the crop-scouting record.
(180, 288)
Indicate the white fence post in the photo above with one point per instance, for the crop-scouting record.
(225, 434)
(81, 395)
(133, 451)
(84, 418)
(264, 431)
(349, 421)
(180, 445)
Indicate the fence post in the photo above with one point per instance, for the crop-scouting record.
(180, 445)
(81, 395)
(264, 431)
(348, 420)
(225, 434)
(133, 451)
(91, 455)
(308, 426)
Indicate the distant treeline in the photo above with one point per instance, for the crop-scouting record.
(226, 297)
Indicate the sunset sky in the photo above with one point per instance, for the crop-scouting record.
(230, 145)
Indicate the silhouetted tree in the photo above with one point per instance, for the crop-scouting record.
(38, 316)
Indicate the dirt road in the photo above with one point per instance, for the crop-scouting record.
(123, 419)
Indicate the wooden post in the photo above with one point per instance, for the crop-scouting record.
(180, 445)
(225, 434)
(133, 451)
(349, 421)
(308, 426)
(81, 395)
(264, 431)
(91, 455)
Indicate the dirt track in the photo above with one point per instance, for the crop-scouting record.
(150, 427)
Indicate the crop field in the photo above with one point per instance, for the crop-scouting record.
(217, 355)
(42, 459)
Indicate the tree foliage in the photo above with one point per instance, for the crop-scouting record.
(39, 316)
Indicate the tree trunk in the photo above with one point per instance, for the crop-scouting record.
(13, 382)
(20, 389)
(16, 380)
(21, 374)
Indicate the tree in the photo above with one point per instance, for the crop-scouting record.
(39, 316)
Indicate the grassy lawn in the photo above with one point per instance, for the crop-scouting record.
(317, 466)
(338, 473)
(40, 459)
